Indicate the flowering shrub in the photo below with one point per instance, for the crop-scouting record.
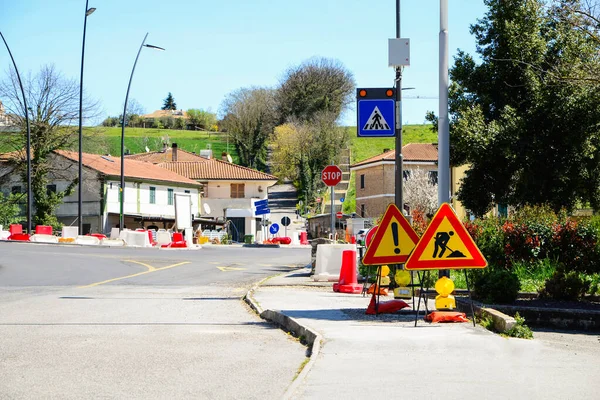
(419, 221)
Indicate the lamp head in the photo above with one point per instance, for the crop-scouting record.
(90, 11)
(154, 47)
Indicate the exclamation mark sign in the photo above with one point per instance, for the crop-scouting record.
(395, 236)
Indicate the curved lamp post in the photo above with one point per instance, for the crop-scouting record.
(122, 188)
(28, 144)
(88, 11)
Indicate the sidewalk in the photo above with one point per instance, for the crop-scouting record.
(364, 356)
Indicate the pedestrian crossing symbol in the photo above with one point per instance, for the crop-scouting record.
(446, 244)
(376, 122)
(376, 117)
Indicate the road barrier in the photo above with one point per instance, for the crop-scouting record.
(329, 261)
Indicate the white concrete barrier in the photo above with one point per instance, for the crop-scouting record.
(329, 261)
(112, 242)
(137, 239)
(163, 237)
(4, 234)
(114, 233)
(41, 238)
(87, 240)
(69, 232)
(295, 238)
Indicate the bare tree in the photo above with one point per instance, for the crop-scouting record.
(249, 116)
(53, 102)
(315, 86)
(421, 191)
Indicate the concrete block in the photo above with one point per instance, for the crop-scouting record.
(87, 240)
(163, 237)
(137, 239)
(112, 242)
(114, 233)
(4, 234)
(43, 238)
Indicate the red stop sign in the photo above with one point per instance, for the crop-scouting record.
(331, 175)
(339, 214)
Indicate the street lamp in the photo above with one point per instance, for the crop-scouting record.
(88, 11)
(122, 188)
(28, 144)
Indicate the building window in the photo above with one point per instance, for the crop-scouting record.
(15, 189)
(170, 196)
(186, 191)
(152, 195)
(50, 189)
(362, 181)
(237, 191)
(362, 211)
(433, 177)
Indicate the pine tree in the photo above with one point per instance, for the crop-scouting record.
(169, 103)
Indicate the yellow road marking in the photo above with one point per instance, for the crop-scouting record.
(150, 267)
(231, 269)
(134, 275)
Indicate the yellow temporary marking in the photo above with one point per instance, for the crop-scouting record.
(150, 267)
(134, 275)
(231, 269)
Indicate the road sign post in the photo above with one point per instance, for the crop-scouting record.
(331, 176)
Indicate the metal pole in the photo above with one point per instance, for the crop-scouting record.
(332, 216)
(88, 11)
(399, 173)
(443, 122)
(122, 188)
(28, 141)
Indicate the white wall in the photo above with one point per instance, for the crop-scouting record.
(137, 199)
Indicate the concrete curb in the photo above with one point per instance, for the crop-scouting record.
(306, 335)
(502, 322)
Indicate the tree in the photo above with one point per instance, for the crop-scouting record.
(421, 191)
(53, 102)
(169, 103)
(9, 209)
(527, 117)
(200, 119)
(302, 149)
(315, 86)
(249, 120)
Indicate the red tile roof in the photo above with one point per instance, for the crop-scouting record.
(166, 113)
(157, 157)
(424, 152)
(111, 166)
(212, 169)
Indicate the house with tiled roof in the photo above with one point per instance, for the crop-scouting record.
(149, 190)
(375, 179)
(375, 176)
(228, 190)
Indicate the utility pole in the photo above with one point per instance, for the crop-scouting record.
(443, 122)
(398, 156)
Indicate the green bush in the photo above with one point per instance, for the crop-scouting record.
(496, 286)
(520, 330)
(565, 286)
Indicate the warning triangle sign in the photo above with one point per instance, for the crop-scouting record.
(393, 241)
(446, 244)
(376, 122)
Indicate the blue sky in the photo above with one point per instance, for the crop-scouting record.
(216, 47)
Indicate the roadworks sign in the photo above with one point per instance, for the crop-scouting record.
(393, 241)
(446, 244)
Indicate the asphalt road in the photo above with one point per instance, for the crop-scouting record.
(93, 322)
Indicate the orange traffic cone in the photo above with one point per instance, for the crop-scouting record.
(347, 282)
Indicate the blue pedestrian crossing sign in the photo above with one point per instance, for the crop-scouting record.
(376, 112)
(376, 118)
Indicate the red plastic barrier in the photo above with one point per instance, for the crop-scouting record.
(151, 238)
(177, 237)
(100, 236)
(43, 230)
(15, 228)
(175, 245)
(282, 240)
(23, 237)
(303, 238)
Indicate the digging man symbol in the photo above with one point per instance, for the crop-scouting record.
(441, 245)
